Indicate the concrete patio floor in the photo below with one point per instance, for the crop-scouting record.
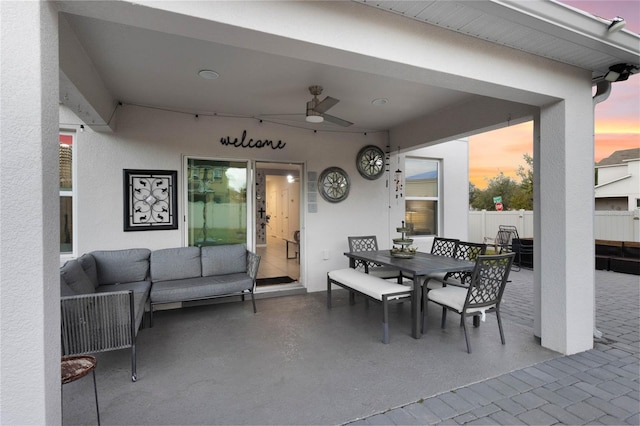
(296, 362)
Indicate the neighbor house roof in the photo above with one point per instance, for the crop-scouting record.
(619, 157)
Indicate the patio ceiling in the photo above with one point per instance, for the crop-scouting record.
(151, 62)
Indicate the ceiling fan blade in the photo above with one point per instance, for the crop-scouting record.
(326, 104)
(336, 120)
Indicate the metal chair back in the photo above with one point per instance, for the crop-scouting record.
(444, 246)
(488, 281)
(466, 251)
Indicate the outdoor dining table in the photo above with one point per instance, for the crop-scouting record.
(419, 266)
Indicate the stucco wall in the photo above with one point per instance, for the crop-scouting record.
(151, 139)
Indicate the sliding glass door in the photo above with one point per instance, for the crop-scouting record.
(217, 202)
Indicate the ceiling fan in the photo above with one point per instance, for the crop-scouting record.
(316, 109)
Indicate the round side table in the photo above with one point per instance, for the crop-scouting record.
(76, 367)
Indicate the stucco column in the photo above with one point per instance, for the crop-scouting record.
(565, 233)
(29, 215)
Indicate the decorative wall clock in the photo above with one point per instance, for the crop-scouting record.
(370, 162)
(333, 184)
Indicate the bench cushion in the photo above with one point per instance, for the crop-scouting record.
(200, 288)
(121, 266)
(175, 263)
(224, 259)
(371, 286)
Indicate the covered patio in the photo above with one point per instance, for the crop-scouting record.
(295, 362)
(123, 78)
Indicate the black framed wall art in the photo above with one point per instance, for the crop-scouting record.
(150, 200)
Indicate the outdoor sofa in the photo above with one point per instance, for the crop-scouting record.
(105, 293)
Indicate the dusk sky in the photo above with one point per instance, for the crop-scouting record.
(617, 120)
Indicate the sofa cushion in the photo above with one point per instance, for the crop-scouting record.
(200, 288)
(121, 266)
(65, 290)
(175, 263)
(88, 263)
(75, 278)
(224, 259)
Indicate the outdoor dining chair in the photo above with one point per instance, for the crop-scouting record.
(370, 243)
(444, 246)
(483, 294)
(463, 250)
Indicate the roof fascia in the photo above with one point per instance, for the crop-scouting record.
(613, 181)
(567, 23)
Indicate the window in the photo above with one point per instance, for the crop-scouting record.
(66, 192)
(422, 196)
(217, 202)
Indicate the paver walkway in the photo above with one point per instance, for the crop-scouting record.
(599, 386)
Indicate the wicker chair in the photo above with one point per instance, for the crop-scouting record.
(483, 295)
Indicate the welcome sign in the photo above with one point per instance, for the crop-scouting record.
(259, 143)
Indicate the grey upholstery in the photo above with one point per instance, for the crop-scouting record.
(175, 264)
(200, 288)
(121, 266)
(75, 278)
(224, 259)
(88, 263)
(226, 270)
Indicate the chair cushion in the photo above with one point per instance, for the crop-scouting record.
(121, 266)
(175, 263)
(224, 259)
(75, 278)
(453, 297)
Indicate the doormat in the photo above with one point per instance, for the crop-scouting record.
(274, 280)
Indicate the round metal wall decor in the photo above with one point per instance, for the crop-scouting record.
(370, 162)
(333, 184)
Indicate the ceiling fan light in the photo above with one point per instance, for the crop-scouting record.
(314, 119)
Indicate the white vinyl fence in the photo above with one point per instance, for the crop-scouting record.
(609, 225)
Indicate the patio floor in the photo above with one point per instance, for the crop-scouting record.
(296, 362)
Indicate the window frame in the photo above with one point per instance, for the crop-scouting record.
(64, 256)
(437, 199)
(217, 174)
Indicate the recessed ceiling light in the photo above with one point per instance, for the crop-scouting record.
(380, 101)
(208, 74)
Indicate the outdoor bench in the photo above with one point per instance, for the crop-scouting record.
(374, 288)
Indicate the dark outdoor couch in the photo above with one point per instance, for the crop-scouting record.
(104, 294)
(618, 256)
